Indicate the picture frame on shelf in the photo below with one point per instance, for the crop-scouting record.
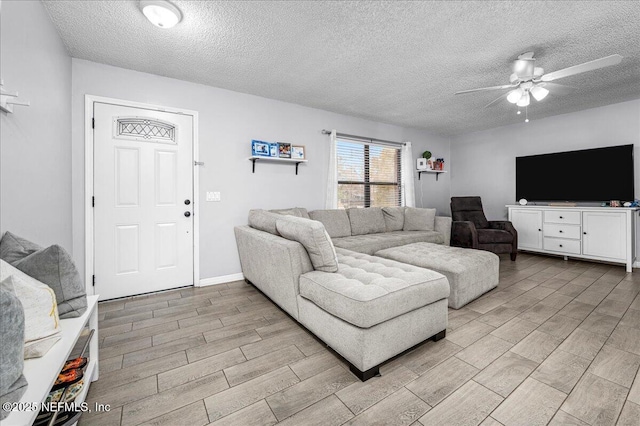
(273, 150)
(297, 152)
(284, 150)
(260, 148)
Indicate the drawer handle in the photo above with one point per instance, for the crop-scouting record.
(539, 229)
(560, 231)
(560, 245)
(561, 217)
(585, 233)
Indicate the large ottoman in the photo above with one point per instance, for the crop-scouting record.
(471, 273)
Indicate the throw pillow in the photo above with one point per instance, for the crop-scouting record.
(315, 239)
(335, 221)
(264, 220)
(393, 218)
(41, 322)
(12, 382)
(295, 211)
(419, 219)
(369, 220)
(54, 267)
(14, 248)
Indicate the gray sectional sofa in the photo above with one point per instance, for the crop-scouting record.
(368, 309)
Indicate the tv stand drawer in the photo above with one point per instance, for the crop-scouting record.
(561, 245)
(562, 216)
(555, 230)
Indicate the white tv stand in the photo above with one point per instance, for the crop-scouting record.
(596, 233)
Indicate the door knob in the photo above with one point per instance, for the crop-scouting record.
(187, 202)
(187, 214)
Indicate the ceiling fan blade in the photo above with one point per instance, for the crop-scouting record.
(483, 89)
(558, 89)
(587, 66)
(496, 100)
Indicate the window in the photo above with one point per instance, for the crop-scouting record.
(368, 174)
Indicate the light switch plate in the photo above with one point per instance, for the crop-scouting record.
(213, 196)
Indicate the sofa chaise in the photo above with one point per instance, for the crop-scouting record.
(367, 308)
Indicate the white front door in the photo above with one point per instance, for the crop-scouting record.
(143, 206)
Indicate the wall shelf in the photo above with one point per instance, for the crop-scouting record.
(436, 172)
(295, 161)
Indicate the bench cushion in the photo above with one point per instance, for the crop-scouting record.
(369, 290)
(372, 243)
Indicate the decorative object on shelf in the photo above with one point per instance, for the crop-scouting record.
(8, 99)
(438, 164)
(627, 204)
(260, 148)
(297, 151)
(614, 203)
(523, 201)
(284, 150)
(273, 150)
(421, 164)
(427, 156)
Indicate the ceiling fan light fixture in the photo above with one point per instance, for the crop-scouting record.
(539, 92)
(161, 13)
(524, 100)
(515, 95)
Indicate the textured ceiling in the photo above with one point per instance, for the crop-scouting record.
(395, 62)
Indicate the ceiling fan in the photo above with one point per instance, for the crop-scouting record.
(528, 81)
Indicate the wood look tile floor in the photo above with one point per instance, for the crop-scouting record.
(558, 342)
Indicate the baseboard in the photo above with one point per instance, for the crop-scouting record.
(221, 279)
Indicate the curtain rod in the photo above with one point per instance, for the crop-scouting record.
(344, 135)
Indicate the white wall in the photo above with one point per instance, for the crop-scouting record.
(228, 122)
(484, 162)
(35, 141)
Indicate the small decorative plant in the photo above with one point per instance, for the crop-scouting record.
(426, 155)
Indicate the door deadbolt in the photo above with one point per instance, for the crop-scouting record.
(187, 202)
(187, 214)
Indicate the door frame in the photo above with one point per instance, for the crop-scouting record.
(89, 261)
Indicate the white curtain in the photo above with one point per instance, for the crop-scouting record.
(332, 177)
(407, 164)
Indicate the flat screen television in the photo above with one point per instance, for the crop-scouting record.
(594, 175)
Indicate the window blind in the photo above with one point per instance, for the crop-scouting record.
(368, 174)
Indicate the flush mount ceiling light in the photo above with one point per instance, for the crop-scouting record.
(161, 13)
